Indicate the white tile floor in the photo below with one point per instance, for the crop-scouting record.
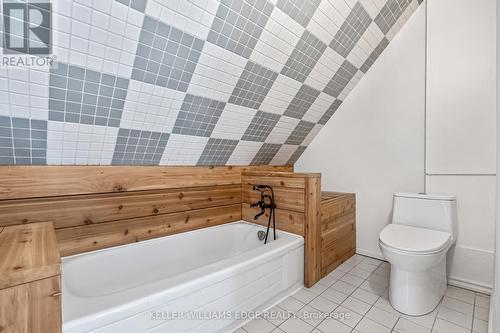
(354, 298)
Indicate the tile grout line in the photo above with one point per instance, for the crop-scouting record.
(344, 273)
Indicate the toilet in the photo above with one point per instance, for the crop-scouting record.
(415, 243)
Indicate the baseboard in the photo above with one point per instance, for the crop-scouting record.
(375, 255)
(452, 280)
(470, 285)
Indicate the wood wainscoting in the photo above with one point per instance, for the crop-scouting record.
(298, 197)
(94, 207)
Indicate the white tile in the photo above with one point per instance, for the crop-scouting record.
(367, 325)
(384, 304)
(457, 305)
(323, 304)
(183, 150)
(311, 315)
(482, 301)
(480, 326)
(282, 130)
(455, 317)
(369, 265)
(352, 279)
(259, 325)
(240, 330)
(426, 320)
(460, 294)
(365, 296)
(356, 305)
(291, 304)
(193, 17)
(318, 288)
(304, 295)
(360, 272)
(326, 67)
(216, 73)
(405, 326)
(151, 107)
(373, 287)
(343, 287)
(233, 122)
(380, 316)
(443, 326)
(280, 95)
(276, 315)
(332, 325)
(296, 325)
(334, 295)
(346, 266)
(277, 41)
(244, 152)
(326, 21)
(481, 313)
(381, 279)
(347, 316)
(285, 152)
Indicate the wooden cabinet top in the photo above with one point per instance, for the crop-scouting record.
(28, 252)
(327, 196)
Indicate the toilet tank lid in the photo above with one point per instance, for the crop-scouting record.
(428, 196)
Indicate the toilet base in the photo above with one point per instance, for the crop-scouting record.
(417, 293)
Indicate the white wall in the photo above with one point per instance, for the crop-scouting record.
(399, 131)
(374, 144)
(494, 322)
(461, 127)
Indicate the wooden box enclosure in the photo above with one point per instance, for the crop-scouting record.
(338, 229)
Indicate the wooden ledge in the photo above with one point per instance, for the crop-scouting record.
(28, 252)
(281, 174)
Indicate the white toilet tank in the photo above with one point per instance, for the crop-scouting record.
(430, 211)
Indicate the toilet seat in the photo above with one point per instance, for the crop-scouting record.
(414, 240)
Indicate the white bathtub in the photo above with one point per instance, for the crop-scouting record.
(217, 273)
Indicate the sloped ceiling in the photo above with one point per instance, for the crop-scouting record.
(191, 82)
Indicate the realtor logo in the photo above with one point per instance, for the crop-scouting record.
(27, 34)
(27, 28)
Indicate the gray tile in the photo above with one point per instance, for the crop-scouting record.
(265, 154)
(300, 10)
(23, 141)
(261, 126)
(253, 85)
(136, 147)
(299, 133)
(374, 55)
(329, 112)
(340, 80)
(166, 56)
(304, 57)
(86, 90)
(139, 5)
(351, 30)
(302, 101)
(238, 25)
(217, 151)
(390, 13)
(198, 116)
(296, 154)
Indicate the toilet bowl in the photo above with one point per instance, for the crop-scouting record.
(416, 244)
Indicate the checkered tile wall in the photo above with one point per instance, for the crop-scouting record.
(191, 82)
